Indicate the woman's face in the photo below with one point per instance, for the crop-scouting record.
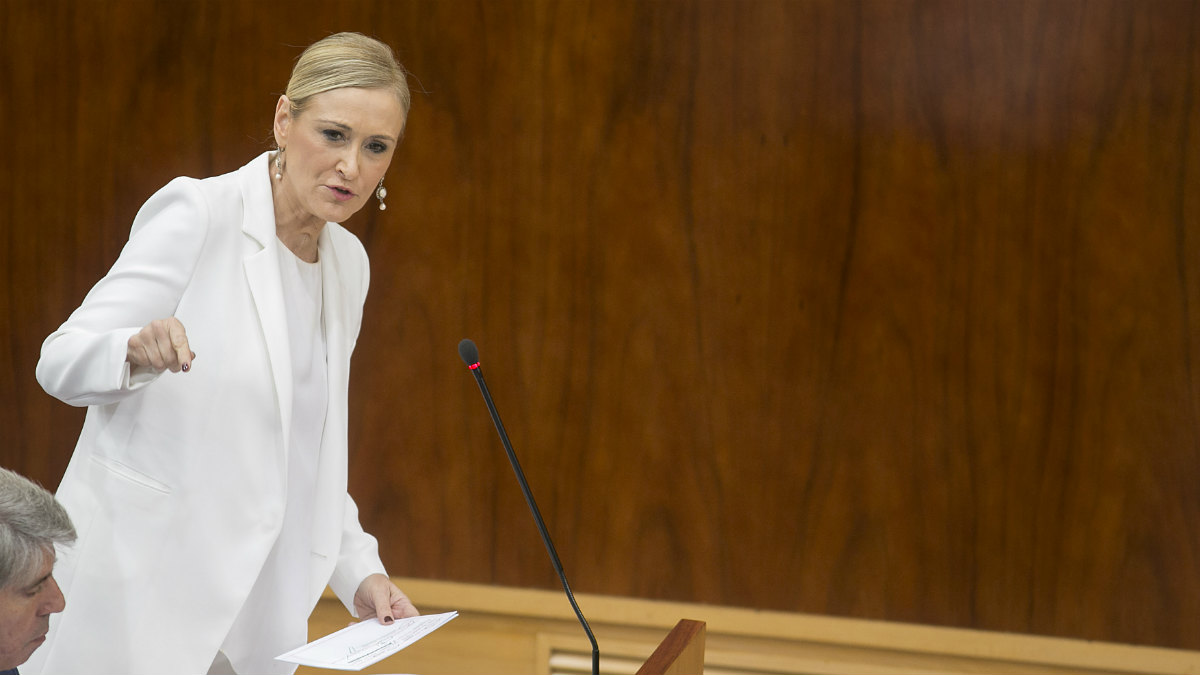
(336, 150)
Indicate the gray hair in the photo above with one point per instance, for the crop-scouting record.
(31, 523)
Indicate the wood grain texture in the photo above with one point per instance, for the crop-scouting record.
(883, 309)
(680, 652)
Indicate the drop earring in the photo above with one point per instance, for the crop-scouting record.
(380, 193)
(279, 164)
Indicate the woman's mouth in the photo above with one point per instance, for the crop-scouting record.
(340, 193)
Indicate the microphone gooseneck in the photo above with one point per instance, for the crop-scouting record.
(470, 356)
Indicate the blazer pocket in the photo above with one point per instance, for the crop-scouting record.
(132, 475)
(129, 533)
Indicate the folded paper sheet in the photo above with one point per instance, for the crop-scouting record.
(365, 643)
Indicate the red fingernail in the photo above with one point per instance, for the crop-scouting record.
(186, 367)
(387, 619)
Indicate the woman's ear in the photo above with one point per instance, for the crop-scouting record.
(283, 121)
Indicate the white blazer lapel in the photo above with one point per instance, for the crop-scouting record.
(262, 274)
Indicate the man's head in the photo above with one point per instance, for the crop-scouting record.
(31, 523)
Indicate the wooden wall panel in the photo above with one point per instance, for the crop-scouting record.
(882, 309)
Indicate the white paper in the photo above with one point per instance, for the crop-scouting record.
(365, 643)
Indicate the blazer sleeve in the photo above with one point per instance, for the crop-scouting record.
(358, 558)
(83, 362)
(358, 554)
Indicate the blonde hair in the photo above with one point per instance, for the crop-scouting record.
(346, 60)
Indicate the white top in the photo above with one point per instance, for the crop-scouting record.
(279, 589)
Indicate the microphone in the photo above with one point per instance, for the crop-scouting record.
(470, 355)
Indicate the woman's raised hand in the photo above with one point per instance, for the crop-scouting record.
(161, 345)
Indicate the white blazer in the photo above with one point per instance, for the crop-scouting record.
(178, 483)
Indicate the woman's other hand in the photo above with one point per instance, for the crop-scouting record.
(161, 345)
(377, 596)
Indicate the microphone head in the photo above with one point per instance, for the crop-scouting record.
(469, 352)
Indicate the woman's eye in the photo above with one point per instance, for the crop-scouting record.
(377, 147)
(333, 134)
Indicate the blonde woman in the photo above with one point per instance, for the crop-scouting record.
(208, 485)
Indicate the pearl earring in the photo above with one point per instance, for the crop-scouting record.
(279, 164)
(380, 193)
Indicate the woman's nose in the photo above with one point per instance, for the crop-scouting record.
(348, 166)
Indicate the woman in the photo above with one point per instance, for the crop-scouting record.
(208, 485)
